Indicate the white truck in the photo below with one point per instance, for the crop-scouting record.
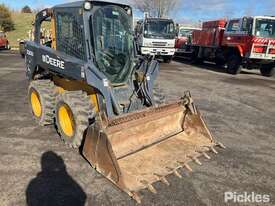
(156, 36)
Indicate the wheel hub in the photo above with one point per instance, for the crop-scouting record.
(66, 120)
(36, 104)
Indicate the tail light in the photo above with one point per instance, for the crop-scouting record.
(259, 49)
(271, 51)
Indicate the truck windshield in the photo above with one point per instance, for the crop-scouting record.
(160, 29)
(113, 42)
(265, 28)
(185, 32)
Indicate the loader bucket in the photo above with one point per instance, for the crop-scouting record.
(138, 149)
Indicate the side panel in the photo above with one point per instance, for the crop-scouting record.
(239, 40)
(30, 53)
(211, 34)
(51, 60)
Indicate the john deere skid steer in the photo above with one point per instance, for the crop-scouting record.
(102, 97)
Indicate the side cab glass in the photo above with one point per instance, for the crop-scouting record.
(233, 26)
(247, 24)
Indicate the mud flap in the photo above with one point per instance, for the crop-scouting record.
(138, 149)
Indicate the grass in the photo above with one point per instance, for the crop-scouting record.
(23, 24)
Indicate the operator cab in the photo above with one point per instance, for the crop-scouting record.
(108, 41)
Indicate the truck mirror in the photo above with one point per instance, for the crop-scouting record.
(177, 29)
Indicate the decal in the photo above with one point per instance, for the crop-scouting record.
(30, 53)
(105, 83)
(54, 62)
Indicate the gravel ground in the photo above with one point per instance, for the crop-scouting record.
(239, 111)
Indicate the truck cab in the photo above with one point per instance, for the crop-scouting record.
(254, 40)
(4, 43)
(183, 39)
(156, 36)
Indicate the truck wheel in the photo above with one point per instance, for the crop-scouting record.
(167, 59)
(159, 97)
(234, 64)
(219, 62)
(72, 113)
(267, 70)
(41, 96)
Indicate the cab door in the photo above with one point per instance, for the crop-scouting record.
(237, 34)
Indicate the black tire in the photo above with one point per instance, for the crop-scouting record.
(220, 62)
(159, 97)
(46, 93)
(167, 59)
(79, 105)
(234, 64)
(267, 70)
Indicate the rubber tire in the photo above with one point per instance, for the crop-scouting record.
(82, 110)
(159, 97)
(220, 62)
(47, 94)
(167, 59)
(234, 64)
(267, 70)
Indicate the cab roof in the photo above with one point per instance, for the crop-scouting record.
(79, 4)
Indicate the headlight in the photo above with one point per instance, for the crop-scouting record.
(87, 6)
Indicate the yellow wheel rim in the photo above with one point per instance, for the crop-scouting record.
(66, 120)
(36, 104)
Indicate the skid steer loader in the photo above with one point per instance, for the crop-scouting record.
(89, 81)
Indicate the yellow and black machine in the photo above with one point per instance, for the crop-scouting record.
(103, 98)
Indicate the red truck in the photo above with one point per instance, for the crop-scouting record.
(4, 43)
(184, 36)
(247, 42)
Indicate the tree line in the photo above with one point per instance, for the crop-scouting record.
(6, 22)
(156, 8)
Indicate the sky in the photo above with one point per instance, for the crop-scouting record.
(187, 10)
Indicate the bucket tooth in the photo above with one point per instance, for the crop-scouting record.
(206, 155)
(151, 188)
(221, 145)
(136, 197)
(165, 181)
(197, 160)
(109, 175)
(162, 179)
(177, 174)
(188, 167)
(213, 150)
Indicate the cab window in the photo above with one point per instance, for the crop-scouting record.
(70, 34)
(233, 26)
